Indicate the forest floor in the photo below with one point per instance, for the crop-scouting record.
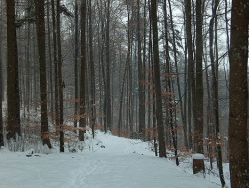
(105, 162)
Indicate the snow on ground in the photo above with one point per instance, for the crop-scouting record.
(107, 162)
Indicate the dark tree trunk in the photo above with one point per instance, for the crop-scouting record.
(13, 98)
(43, 77)
(190, 64)
(108, 87)
(60, 88)
(57, 120)
(199, 82)
(159, 115)
(76, 74)
(1, 87)
(140, 69)
(176, 65)
(215, 95)
(83, 71)
(92, 85)
(124, 77)
(173, 130)
(238, 133)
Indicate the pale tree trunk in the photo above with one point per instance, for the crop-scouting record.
(50, 66)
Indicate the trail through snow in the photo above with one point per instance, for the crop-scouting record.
(121, 163)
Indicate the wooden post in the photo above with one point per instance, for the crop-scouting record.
(198, 163)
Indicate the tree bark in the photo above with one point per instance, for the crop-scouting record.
(43, 77)
(140, 70)
(76, 75)
(83, 71)
(238, 133)
(1, 86)
(13, 97)
(190, 65)
(60, 88)
(57, 120)
(108, 86)
(50, 66)
(92, 85)
(159, 115)
(199, 82)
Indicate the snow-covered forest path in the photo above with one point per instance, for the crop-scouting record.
(110, 162)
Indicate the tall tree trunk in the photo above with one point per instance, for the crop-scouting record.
(108, 87)
(190, 65)
(50, 66)
(83, 71)
(144, 66)
(57, 120)
(238, 133)
(43, 77)
(215, 94)
(159, 115)
(76, 79)
(13, 98)
(176, 65)
(199, 82)
(28, 69)
(140, 69)
(124, 77)
(1, 84)
(60, 88)
(173, 130)
(92, 85)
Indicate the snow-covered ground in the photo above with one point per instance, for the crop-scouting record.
(105, 162)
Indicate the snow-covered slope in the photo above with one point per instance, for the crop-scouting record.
(107, 162)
